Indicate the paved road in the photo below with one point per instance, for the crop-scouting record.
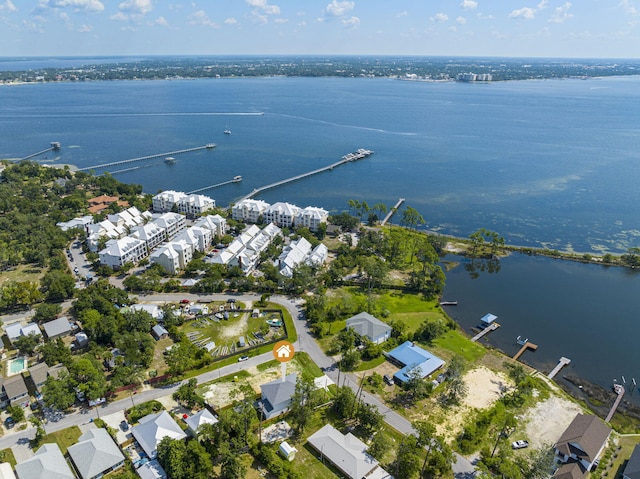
(463, 469)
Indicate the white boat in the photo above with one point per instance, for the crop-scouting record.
(237, 178)
(227, 131)
(170, 160)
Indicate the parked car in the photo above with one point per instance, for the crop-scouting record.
(519, 444)
(389, 380)
(243, 358)
(9, 423)
(184, 301)
(124, 425)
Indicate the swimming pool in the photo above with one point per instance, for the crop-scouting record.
(16, 366)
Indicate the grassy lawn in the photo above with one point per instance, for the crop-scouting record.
(64, 438)
(6, 455)
(23, 272)
(455, 342)
(615, 457)
(366, 365)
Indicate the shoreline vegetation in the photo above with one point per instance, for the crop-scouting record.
(429, 69)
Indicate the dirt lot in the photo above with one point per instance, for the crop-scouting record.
(548, 419)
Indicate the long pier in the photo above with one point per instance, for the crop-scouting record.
(619, 389)
(208, 146)
(562, 363)
(392, 211)
(492, 327)
(55, 145)
(358, 155)
(210, 187)
(525, 346)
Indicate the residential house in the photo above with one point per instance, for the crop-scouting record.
(150, 233)
(281, 214)
(15, 391)
(129, 218)
(167, 257)
(165, 201)
(6, 471)
(153, 310)
(203, 237)
(632, 469)
(195, 205)
(39, 374)
(370, 327)
(57, 370)
(103, 229)
(47, 463)
(318, 255)
(153, 428)
(173, 223)
(58, 328)
(194, 422)
(151, 470)
(80, 222)
(292, 256)
(580, 445)
(15, 330)
(276, 396)
(100, 203)
(159, 332)
(311, 217)
(95, 454)
(214, 223)
(249, 211)
(121, 251)
(414, 358)
(347, 453)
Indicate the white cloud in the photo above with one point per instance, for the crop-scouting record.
(161, 21)
(339, 9)
(352, 22)
(258, 18)
(401, 14)
(78, 5)
(281, 20)
(469, 4)
(201, 18)
(439, 18)
(119, 17)
(264, 7)
(629, 7)
(136, 7)
(525, 12)
(230, 21)
(561, 14)
(8, 6)
(302, 24)
(84, 28)
(542, 5)
(461, 20)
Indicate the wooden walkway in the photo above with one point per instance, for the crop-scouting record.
(619, 389)
(392, 211)
(492, 327)
(525, 346)
(562, 363)
(55, 145)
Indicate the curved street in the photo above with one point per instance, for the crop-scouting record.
(462, 468)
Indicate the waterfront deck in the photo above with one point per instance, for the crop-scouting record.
(55, 145)
(492, 327)
(619, 389)
(392, 211)
(562, 363)
(525, 346)
(208, 146)
(210, 187)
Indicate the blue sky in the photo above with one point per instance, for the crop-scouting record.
(522, 28)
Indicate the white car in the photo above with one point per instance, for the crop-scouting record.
(519, 444)
(242, 358)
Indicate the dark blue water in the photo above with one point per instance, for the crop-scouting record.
(544, 163)
(587, 313)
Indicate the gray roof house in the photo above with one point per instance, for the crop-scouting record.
(151, 470)
(153, 428)
(15, 330)
(632, 470)
(39, 374)
(47, 463)
(16, 390)
(580, 445)
(95, 454)
(370, 327)
(57, 328)
(276, 395)
(347, 453)
(159, 332)
(194, 422)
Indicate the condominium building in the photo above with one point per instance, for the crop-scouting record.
(151, 233)
(282, 214)
(214, 223)
(311, 217)
(164, 201)
(124, 250)
(195, 205)
(249, 210)
(173, 223)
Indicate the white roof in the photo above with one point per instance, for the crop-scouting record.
(121, 247)
(57, 327)
(6, 472)
(95, 453)
(488, 318)
(153, 428)
(200, 418)
(151, 470)
(153, 309)
(47, 463)
(287, 448)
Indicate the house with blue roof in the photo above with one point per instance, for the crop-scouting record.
(411, 357)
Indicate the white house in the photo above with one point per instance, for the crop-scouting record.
(150, 233)
(318, 256)
(249, 211)
(276, 395)
(80, 222)
(194, 205)
(153, 428)
(164, 201)
(167, 257)
(214, 223)
(153, 310)
(293, 255)
(370, 327)
(128, 218)
(121, 251)
(95, 454)
(173, 223)
(282, 214)
(198, 419)
(48, 462)
(203, 236)
(311, 217)
(103, 229)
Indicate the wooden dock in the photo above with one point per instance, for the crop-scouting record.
(208, 146)
(210, 187)
(55, 145)
(619, 389)
(562, 363)
(492, 327)
(525, 346)
(392, 211)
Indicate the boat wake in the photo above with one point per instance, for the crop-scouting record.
(340, 125)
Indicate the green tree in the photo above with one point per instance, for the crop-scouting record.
(54, 352)
(186, 394)
(301, 408)
(16, 412)
(57, 393)
(46, 312)
(379, 446)
(27, 344)
(369, 419)
(58, 285)
(408, 458)
(232, 467)
(86, 378)
(411, 218)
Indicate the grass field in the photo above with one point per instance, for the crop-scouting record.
(64, 438)
(23, 272)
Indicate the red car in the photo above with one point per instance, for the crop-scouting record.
(185, 301)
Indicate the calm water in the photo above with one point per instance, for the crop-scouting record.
(544, 163)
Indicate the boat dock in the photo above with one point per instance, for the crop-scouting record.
(392, 211)
(619, 390)
(562, 363)
(55, 145)
(208, 146)
(357, 155)
(492, 327)
(525, 346)
(236, 179)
